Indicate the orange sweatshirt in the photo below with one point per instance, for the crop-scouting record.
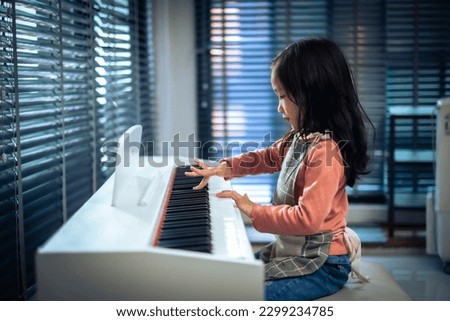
(320, 190)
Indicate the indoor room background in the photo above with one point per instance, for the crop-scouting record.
(75, 74)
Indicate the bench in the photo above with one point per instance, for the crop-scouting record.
(381, 287)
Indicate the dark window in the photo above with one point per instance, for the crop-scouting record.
(398, 51)
(75, 74)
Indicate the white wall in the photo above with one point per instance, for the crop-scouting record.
(174, 27)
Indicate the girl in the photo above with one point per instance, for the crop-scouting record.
(325, 150)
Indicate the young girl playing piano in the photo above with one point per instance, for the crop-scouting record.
(325, 150)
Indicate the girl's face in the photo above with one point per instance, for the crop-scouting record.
(286, 107)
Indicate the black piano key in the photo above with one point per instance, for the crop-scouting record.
(192, 208)
(195, 224)
(175, 211)
(180, 196)
(196, 203)
(187, 223)
(192, 222)
(180, 218)
(180, 212)
(206, 248)
(187, 194)
(190, 201)
(185, 213)
(184, 232)
(188, 241)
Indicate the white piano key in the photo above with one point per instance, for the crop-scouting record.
(228, 230)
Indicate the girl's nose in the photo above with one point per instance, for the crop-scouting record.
(280, 108)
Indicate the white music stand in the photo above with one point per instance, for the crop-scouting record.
(127, 162)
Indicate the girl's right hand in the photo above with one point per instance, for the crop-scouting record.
(223, 170)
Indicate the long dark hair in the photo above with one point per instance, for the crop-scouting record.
(316, 77)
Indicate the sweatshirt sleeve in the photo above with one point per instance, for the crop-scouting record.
(263, 161)
(323, 176)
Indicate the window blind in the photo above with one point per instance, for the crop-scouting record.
(115, 95)
(236, 42)
(144, 68)
(75, 74)
(358, 28)
(77, 60)
(8, 216)
(237, 101)
(36, 130)
(418, 42)
(418, 74)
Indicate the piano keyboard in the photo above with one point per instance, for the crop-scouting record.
(143, 244)
(187, 221)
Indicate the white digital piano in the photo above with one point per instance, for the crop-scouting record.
(146, 235)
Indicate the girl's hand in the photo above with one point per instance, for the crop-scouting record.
(242, 202)
(223, 170)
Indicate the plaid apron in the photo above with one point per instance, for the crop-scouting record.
(294, 255)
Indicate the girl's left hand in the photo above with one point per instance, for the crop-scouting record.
(242, 201)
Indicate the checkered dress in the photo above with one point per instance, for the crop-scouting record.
(294, 255)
